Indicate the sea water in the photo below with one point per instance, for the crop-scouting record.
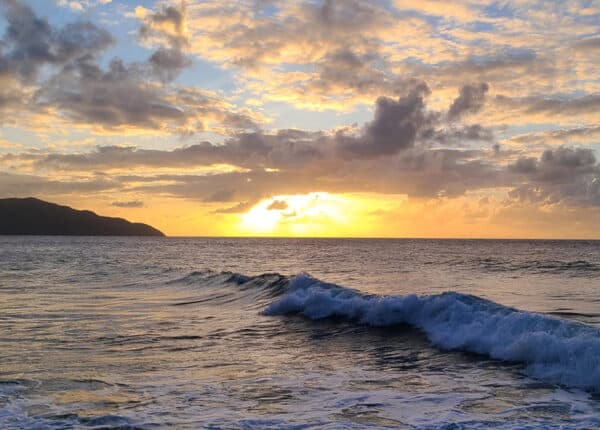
(145, 333)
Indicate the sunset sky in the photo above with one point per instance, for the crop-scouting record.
(394, 118)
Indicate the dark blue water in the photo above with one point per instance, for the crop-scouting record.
(297, 333)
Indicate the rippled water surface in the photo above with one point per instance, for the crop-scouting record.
(279, 333)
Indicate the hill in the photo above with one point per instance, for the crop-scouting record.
(32, 216)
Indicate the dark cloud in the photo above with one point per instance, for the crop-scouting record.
(239, 208)
(11, 97)
(559, 175)
(284, 149)
(343, 15)
(560, 135)
(452, 135)
(295, 161)
(576, 105)
(498, 61)
(525, 165)
(169, 22)
(338, 41)
(448, 172)
(509, 69)
(569, 175)
(470, 100)
(121, 96)
(167, 64)
(565, 174)
(555, 105)
(31, 42)
(220, 196)
(422, 173)
(278, 205)
(588, 44)
(116, 97)
(78, 89)
(24, 185)
(562, 164)
(558, 165)
(394, 153)
(343, 70)
(129, 204)
(395, 126)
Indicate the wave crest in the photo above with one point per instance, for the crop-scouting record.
(552, 349)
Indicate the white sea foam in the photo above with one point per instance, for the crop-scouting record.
(552, 349)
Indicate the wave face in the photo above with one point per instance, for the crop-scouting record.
(552, 349)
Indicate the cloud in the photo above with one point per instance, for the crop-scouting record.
(168, 22)
(129, 204)
(337, 54)
(525, 165)
(439, 8)
(82, 5)
(24, 185)
(559, 106)
(491, 72)
(395, 126)
(395, 153)
(589, 44)
(418, 172)
(31, 42)
(236, 209)
(76, 89)
(459, 135)
(125, 94)
(561, 175)
(580, 134)
(116, 97)
(316, 55)
(220, 196)
(254, 150)
(167, 27)
(167, 64)
(470, 100)
(278, 205)
(560, 164)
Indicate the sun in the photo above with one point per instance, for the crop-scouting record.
(312, 214)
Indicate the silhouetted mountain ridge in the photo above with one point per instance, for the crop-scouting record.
(31, 216)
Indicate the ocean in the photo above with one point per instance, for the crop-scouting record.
(189, 333)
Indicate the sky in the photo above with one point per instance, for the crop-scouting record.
(392, 118)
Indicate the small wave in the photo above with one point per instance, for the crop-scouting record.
(210, 275)
(20, 419)
(260, 288)
(552, 349)
(577, 268)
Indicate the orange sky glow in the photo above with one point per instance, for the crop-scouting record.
(322, 118)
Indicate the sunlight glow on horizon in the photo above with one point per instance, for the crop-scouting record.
(311, 214)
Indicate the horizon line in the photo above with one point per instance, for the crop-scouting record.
(382, 238)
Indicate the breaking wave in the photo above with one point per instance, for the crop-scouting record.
(552, 349)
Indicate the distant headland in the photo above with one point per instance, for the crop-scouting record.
(30, 216)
